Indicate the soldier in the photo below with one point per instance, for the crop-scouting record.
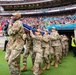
(55, 49)
(29, 50)
(46, 50)
(73, 44)
(37, 50)
(61, 46)
(15, 44)
(65, 45)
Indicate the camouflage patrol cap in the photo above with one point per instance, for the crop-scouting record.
(53, 28)
(46, 30)
(17, 14)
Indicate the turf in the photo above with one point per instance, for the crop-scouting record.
(68, 66)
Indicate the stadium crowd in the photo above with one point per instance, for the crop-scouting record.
(42, 21)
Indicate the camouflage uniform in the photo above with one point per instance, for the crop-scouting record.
(55, 43)
(65, 45)
(46, 49)
(37, 49)
(14, 47)
(29, 49)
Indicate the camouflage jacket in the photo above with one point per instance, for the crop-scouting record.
(46, 40)
(15, 32)
(36, 42)
(55, 39)
(65, 40)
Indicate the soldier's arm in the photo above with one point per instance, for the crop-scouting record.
(46, 39)
(14, 29)
(61, 40)
(53, 38)
(38, 37)
(35, 37)
(24, 36)
(32, 35)
(58, 37)
(67, 39)
(9, 30)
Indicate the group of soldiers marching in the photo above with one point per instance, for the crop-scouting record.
(40, 47)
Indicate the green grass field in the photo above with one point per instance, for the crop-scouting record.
(68, 66)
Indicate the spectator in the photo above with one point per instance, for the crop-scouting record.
(73, 44)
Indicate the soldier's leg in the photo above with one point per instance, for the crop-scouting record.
(7, 54)
(44, 60)
(46, 57)
(52, 52)
(37, 62)
(67, 48)
(33, 60)
(14, 62)
(63, 51)
(33, 54)
(57, 56)
(25, 55)
(60, 55)
(40, 69)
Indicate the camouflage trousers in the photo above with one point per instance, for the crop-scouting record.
(13, 58)
(65, 50)
(37, 62)
(55, 52)
(46, 52)
(29, 50)
(60, 48)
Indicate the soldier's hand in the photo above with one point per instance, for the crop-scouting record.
(9, 62)
(10, 22)
(24, 36)
(30, 30)
(38, 30)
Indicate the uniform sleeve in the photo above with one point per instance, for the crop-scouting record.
(38, 38)
(46, 38)
(14, 29)
(24, 36)
(67, 39)
(56, 37)
(35, 37)
(53, 38)
(32, 35)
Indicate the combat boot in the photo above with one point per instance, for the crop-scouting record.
(32, 69)
(23, 68)
(40, 72)
(53, 62)
(60, 61)
(56, 64)
(45, 67)
(48, 66)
